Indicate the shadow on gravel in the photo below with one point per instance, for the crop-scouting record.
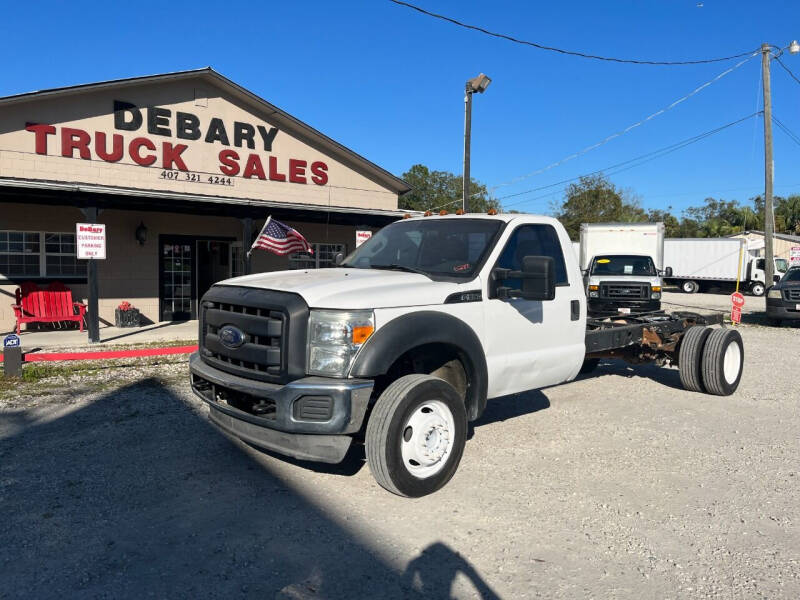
(510, 407)
(664, 375)
(137, 495)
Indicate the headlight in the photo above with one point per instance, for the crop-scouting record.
(593, 294)
(774, 294)
(334, 337)
(655, 295)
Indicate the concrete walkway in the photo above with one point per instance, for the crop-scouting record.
(159, 332)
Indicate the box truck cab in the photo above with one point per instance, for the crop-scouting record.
(621, 264)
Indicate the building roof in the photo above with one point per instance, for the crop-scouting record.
(781, 236)
(281, 118)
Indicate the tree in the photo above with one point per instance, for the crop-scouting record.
(594, 199)
(672, 227)
(435, 190)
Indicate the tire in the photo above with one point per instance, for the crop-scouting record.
(410, 413)
(690, 287)
(723, 362)
(589, 365)
(690, 357)
(757, 289)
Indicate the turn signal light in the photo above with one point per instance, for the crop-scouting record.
(593, 288)
(655, 288)
(361, 334)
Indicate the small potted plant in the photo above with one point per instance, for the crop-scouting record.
(126, 315)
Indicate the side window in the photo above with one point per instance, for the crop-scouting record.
(533, 240)
(761, 264)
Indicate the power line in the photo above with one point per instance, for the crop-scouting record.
(561, 50)
(795, 138)
(636, 161)
(626, 129)
(785, 68)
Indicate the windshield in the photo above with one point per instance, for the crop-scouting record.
(781, 264)
(436, 247)
(623, 265)
(792, 275)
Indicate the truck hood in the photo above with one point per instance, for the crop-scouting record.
(597, 279)
(355, 288)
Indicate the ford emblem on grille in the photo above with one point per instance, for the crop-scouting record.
(230, 336)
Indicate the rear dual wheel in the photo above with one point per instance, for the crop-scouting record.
(711, 360)
(416, 435)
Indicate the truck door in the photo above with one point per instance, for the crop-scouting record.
(532, 343)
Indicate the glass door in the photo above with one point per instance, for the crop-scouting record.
(176, 278)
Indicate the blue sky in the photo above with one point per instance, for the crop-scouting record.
(388, 82)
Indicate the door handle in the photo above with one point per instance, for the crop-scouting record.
(575, 306)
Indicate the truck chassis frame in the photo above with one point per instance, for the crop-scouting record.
(652, 337)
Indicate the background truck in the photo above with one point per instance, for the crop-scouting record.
(622, 264)
(696, 263)
(404, 344)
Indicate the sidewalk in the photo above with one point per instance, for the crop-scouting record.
(165, 331)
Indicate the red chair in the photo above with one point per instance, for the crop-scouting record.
(46, 306)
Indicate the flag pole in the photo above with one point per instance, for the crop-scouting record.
(269, 218)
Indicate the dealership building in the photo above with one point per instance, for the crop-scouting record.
(182, 169)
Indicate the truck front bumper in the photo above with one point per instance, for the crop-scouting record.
(782, 309)
(606, 307)
(308, 419)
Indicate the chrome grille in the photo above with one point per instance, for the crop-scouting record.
(625, 291)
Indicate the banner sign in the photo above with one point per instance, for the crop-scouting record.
(91, 240)
(794, 255)
(362, 236)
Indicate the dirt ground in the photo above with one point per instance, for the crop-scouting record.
(617, 485)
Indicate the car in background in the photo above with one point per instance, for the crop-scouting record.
(783, 299)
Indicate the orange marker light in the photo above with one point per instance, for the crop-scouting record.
(361, 334)
(442, 212)
(427, 213)
(460, 211)
(492, 211)
(406, 216)
(593, 288)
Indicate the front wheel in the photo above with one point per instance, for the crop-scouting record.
(416, 435)
(757, 289)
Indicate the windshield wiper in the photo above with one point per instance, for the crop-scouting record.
(396, 267)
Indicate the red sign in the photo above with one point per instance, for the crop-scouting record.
(737, 299)
(736, 314)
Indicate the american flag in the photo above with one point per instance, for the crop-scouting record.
(280, 239)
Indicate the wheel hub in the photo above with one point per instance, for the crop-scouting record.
(427, 439)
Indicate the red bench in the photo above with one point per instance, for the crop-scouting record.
(52, 305)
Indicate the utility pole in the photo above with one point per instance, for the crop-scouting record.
(476, 84)
(769, 219)
(467, 134)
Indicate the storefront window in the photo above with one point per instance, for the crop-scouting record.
(323, 257)
(61, 260)
(36, 254)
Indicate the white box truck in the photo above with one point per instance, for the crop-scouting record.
(622, 264)
(699, 262)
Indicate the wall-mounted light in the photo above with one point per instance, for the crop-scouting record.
(141, 233)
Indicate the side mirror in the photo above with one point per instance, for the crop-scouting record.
(538, 279)
(668, 272)
(337, 260)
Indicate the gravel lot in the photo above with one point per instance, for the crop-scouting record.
(619, 485)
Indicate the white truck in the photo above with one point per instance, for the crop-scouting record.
(406, 341)
(622, 264)
(699, 262)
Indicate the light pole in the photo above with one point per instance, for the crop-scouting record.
(769, 167)
(476, 84)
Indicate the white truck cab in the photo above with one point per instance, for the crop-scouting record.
(405, 341)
